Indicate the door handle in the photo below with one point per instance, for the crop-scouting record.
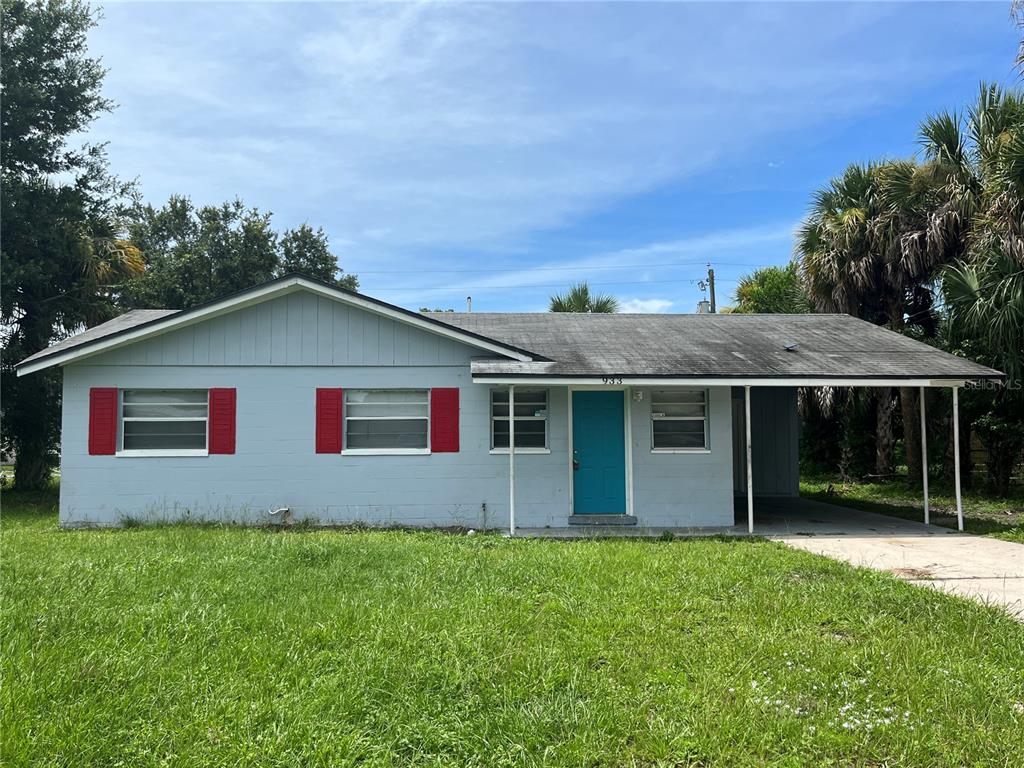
(575, 464)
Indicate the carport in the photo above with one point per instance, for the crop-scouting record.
(745, 436)
(758, 361)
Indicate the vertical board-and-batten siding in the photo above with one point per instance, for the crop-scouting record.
(294, 330)
(774, 438)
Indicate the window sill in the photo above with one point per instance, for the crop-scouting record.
(385, 452)
(158, 453)
(519, 451)
(680, 450)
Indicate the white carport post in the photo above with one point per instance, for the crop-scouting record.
(511, 461)
(956, 460)
(750, 462)
(924, 458)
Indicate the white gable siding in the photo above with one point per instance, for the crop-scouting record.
(297, 329)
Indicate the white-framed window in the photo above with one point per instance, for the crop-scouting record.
(531, 407)
(387, 420)
(679, 420)
(164, 421)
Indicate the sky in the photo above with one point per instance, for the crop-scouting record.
(504, 151)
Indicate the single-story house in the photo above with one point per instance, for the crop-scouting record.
(346, 409)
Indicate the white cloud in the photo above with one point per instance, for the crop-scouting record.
(437, 125)
(645, 306)
(606, 271)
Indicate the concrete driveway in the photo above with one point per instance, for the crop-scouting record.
(987, 570)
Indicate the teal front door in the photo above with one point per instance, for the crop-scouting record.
(599, 453)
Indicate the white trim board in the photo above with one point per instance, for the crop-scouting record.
(258, 295)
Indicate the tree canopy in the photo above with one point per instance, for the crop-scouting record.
(936, 243)
(776, 290)
(63, 247)
(197, 254)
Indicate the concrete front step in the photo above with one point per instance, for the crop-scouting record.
(602, 520)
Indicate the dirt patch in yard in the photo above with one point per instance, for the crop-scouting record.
(912, 573)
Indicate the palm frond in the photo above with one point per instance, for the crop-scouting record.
(579, 299)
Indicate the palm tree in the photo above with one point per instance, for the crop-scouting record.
(772, 290)
(920, 229)
(984, 289)
(579, 299)
(876, 240)
(1017, 11)
(842, 258)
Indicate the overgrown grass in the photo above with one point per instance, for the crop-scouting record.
(193, 646)
(998, 516)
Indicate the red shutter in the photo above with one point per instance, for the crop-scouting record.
(222, 421)
(102, 421)
(328, 420)
(444, 420)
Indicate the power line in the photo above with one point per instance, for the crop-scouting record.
(545, 269)
(693, 281)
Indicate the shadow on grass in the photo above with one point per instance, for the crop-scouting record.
(984, 514)
(30, 504)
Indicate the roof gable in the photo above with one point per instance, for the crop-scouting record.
(140, 325)
(297, 329)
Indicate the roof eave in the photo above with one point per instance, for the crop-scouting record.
(646, 380)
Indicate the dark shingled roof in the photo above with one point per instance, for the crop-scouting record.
(119, 324)
(678, 346)
(710, 346)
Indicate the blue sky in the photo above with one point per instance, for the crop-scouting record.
(506, 150)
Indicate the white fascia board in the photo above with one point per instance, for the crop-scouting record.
(176, 322)
(159, 327)
(621, 381)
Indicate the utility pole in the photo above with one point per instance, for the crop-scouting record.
(711, 287)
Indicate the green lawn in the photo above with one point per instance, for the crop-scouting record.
(998, 516)
(203, 646)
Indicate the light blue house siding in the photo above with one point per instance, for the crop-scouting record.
(275, 464)
(684, 489)
(276, 355)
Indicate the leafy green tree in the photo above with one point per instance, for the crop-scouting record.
(195, 255)
(307, 251)
(777, 290)
(62, 244)
(881, 237)
(579, 299)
